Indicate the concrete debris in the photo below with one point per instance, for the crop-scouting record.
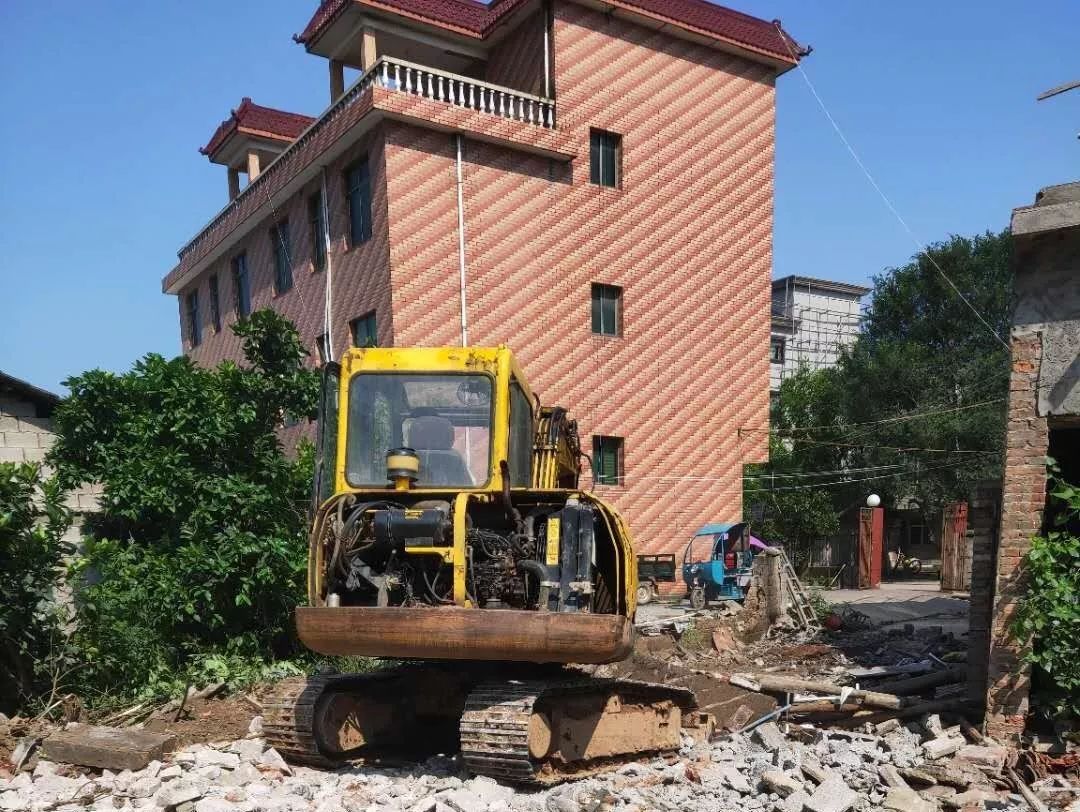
(941, 747)
(773, 768)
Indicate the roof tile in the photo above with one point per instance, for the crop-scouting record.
(479, 19)
(276, 123)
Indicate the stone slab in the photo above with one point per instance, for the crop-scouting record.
(107, 747)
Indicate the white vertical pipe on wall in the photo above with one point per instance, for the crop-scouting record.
(328, 313)
(461, 244)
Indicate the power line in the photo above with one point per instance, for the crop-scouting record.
(901, 448)
(897, 419)
(918, 243)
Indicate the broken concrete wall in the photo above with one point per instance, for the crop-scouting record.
(1044, 383)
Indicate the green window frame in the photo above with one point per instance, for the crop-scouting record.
(607, 460)
(241, 286)
(606, 310)
(605, 152)
(215, 303)
(364, 330)
(193, 319)
(279, 238)
(358, 197)
(318, 232)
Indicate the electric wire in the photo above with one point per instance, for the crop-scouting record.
(885, 198)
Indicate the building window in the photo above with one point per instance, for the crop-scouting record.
(241, 286)
(363, 331)
(607, 455)
(604, 154)
(776, 350)
(606, 310)
(358, 192)
(279, 237)
(318, 231)
(215, 304)
(194, 327)
(322, 351)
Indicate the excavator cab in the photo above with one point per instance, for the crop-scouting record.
(447, 493)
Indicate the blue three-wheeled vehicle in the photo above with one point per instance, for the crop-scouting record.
(716, 564)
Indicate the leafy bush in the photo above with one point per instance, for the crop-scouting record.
(1049, 613)
(198, 558)
(33, 520)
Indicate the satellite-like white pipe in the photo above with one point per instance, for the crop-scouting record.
(461, 246)
(328, 313)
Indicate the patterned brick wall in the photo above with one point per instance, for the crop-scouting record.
(518, 61)
(687, 237)
(361, 280)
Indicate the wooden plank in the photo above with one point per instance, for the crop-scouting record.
(107, 747)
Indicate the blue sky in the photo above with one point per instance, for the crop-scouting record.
(105, 104)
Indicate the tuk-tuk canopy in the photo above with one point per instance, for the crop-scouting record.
(714, 529)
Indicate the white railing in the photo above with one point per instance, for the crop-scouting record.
(418, 80)
(464, 91)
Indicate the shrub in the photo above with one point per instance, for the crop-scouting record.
(198, 558)
(33, 521)
(1049, 613)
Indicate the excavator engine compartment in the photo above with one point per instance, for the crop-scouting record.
(541, 552)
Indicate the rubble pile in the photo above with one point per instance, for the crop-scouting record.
(920, 766)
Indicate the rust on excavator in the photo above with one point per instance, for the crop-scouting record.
(453, 633)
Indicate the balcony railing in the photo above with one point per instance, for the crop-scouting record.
(416, 80)
(463, 91)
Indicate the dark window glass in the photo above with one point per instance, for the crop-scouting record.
(322, 351)
(521, 437)
(241, 286)
(607, 460)
(318, 229)
(215, 304)
(776, 350)
(604, 158)
(279, 236)
(364, 333)
(358, 192)
(194, 327)
(606, 307)
(446, 419)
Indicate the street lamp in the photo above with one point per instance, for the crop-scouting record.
(873, 500)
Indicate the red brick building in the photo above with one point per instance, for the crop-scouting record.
(588, 182)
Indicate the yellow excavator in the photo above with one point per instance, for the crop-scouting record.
(452, 538)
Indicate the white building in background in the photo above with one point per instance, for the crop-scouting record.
(812, 321)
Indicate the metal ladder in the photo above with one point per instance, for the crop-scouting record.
(800, 600)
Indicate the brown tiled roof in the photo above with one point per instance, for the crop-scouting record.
(265, 121)
(479, 19)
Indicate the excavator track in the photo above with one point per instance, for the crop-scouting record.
(290, 713)
(506, 731)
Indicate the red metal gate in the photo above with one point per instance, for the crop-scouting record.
(871, 538)
(955, 575)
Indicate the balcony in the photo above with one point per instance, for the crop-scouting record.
(395, 89)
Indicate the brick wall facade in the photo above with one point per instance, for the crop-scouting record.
(1023, 499)
(687, 236)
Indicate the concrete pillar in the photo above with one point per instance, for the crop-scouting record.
(234, 183)
(253, 166)
(337, 79)
(367, 49)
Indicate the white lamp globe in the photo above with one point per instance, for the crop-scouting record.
(873, 500)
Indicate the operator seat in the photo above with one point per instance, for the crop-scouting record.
(432, 438)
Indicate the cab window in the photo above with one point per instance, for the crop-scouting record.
(521, 437)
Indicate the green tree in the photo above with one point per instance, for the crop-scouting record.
(1048, 617)
(199, 554)
(33, 520)
(921, 350)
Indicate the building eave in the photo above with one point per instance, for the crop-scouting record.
(825, 285)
